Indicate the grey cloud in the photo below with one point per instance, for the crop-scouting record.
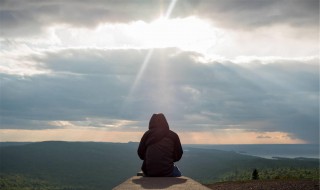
(29, 17)
(86, 61)
(63, 97)
(194, 96)
(252, 14)
(22, 122)
(263, 137)
(20, 18)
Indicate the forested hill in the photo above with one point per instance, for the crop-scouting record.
(72, 163)
(93, 165)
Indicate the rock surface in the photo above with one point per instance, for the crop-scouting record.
(267, 184)
(171, 183)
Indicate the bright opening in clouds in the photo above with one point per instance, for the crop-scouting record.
(221, 71)
(189, 33)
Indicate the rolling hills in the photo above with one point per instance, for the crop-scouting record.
(94, 165)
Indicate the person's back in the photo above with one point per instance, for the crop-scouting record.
(160, 148)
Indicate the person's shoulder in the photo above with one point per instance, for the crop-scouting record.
(173, 134)
(146, 134)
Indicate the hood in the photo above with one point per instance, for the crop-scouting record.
(158, 121)
(158, 129)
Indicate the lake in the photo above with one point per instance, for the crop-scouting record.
(267, 150)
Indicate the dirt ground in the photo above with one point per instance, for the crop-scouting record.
(266, 185)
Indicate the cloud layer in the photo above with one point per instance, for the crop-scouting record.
(226, 69)
(20, 18)
(96, 87)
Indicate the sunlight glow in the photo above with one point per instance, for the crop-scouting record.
(96, 134)
(68, 135)
(238, 137)
(190, 33)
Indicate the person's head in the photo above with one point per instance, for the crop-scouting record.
(158, 120)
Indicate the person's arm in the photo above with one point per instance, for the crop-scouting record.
(177, 149)
(142, 148)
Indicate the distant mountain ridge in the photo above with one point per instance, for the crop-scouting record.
(2, 144)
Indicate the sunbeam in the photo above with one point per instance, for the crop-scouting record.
(147, 59)
(141, 71)
(170, 8)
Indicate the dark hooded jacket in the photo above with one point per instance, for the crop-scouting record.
(159, 148)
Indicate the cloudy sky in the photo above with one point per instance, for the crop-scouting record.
(222, 71)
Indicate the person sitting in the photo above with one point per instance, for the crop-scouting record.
(159, 148)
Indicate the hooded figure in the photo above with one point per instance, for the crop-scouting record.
(159, 148)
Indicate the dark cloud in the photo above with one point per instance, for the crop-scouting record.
(20, 18)
(251, 14)
(33, 16)
(280, 96)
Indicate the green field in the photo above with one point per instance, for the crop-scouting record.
(90, 165)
